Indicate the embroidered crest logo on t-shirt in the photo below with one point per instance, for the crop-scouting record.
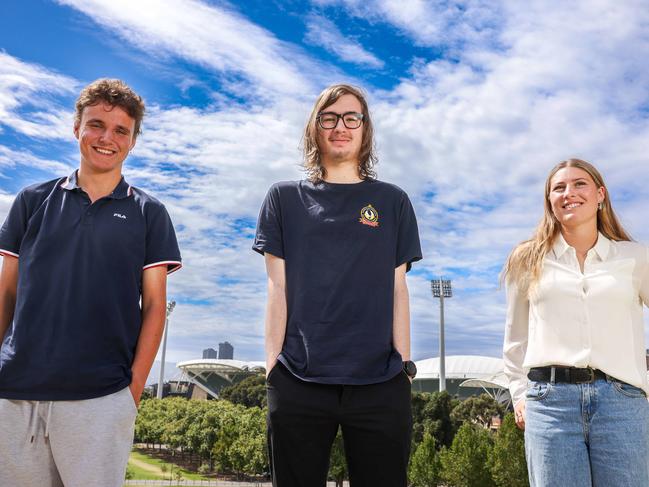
(369, 216)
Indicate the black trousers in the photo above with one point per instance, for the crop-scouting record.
(303, 419)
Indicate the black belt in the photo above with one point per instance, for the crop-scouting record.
(572, 375)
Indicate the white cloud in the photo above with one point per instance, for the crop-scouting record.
(6, 200)
(323, 32)
(227, 159)
(26, 103)
(247, 57)
(452, 25)
(502, 124)
(10, 159)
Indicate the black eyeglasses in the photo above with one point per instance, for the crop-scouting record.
(329, 120)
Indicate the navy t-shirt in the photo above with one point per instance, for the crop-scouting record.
(341, 244)
(77, 317)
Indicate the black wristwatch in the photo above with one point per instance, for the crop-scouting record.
(410, 368)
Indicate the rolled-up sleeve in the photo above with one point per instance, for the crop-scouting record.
(515, 346)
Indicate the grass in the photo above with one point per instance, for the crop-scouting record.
(145, 467)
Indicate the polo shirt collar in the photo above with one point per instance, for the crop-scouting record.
(121, 191)
(601, 247)
(70, 182)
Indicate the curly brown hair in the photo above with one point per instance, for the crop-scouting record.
(367, 156)
(114, 92)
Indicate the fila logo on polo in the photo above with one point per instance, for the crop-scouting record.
(119, 215)
(369, 216)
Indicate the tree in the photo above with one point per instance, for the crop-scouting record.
(150, 421)
(507, 460)
(231, 435)
(464, 464)
(478, 410)
(432, 414)
(425, 467)
(250, 392)
(208, 432)
(247, 453)
(337, 461)
(240, 446)
(176, 424)
(202, 432)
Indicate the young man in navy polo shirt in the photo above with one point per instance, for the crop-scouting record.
(337, 248)
(82, 306)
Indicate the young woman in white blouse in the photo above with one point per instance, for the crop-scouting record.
(574, 342)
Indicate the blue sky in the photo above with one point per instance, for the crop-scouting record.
(473, 102)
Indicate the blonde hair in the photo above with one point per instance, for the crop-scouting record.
(367, 156)
(525, 263)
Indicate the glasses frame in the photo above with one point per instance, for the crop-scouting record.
(339, 117)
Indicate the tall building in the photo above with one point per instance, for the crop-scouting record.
(226, 351)
(209, 353)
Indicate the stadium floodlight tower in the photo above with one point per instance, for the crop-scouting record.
(170, 307)
(441, 289)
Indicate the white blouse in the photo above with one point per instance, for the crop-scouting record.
(590, 319)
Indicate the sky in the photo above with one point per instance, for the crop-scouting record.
(473, 102)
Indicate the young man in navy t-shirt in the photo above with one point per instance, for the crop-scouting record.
(82, 306)
(337, 248)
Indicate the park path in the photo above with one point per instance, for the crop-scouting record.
(146, 466)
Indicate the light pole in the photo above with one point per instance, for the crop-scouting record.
(441, 289)
(170, 307)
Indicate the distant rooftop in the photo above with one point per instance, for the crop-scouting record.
(460, 367)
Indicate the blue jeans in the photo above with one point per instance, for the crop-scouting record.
(587, 435)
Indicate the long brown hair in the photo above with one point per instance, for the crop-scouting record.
(525, 263)
(367, 156)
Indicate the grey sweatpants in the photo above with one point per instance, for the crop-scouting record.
(66, 443)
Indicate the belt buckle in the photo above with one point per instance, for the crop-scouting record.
(591, 377)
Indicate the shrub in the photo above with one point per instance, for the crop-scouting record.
(425, 467)
(465, 463)
(507, 460)
(432, 414)
(478, 410)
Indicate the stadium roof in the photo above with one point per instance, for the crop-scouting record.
(221, 365)
(212, 374)
(460, 367)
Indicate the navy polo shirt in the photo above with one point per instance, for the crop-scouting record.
(77, 317)
(341, 244)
